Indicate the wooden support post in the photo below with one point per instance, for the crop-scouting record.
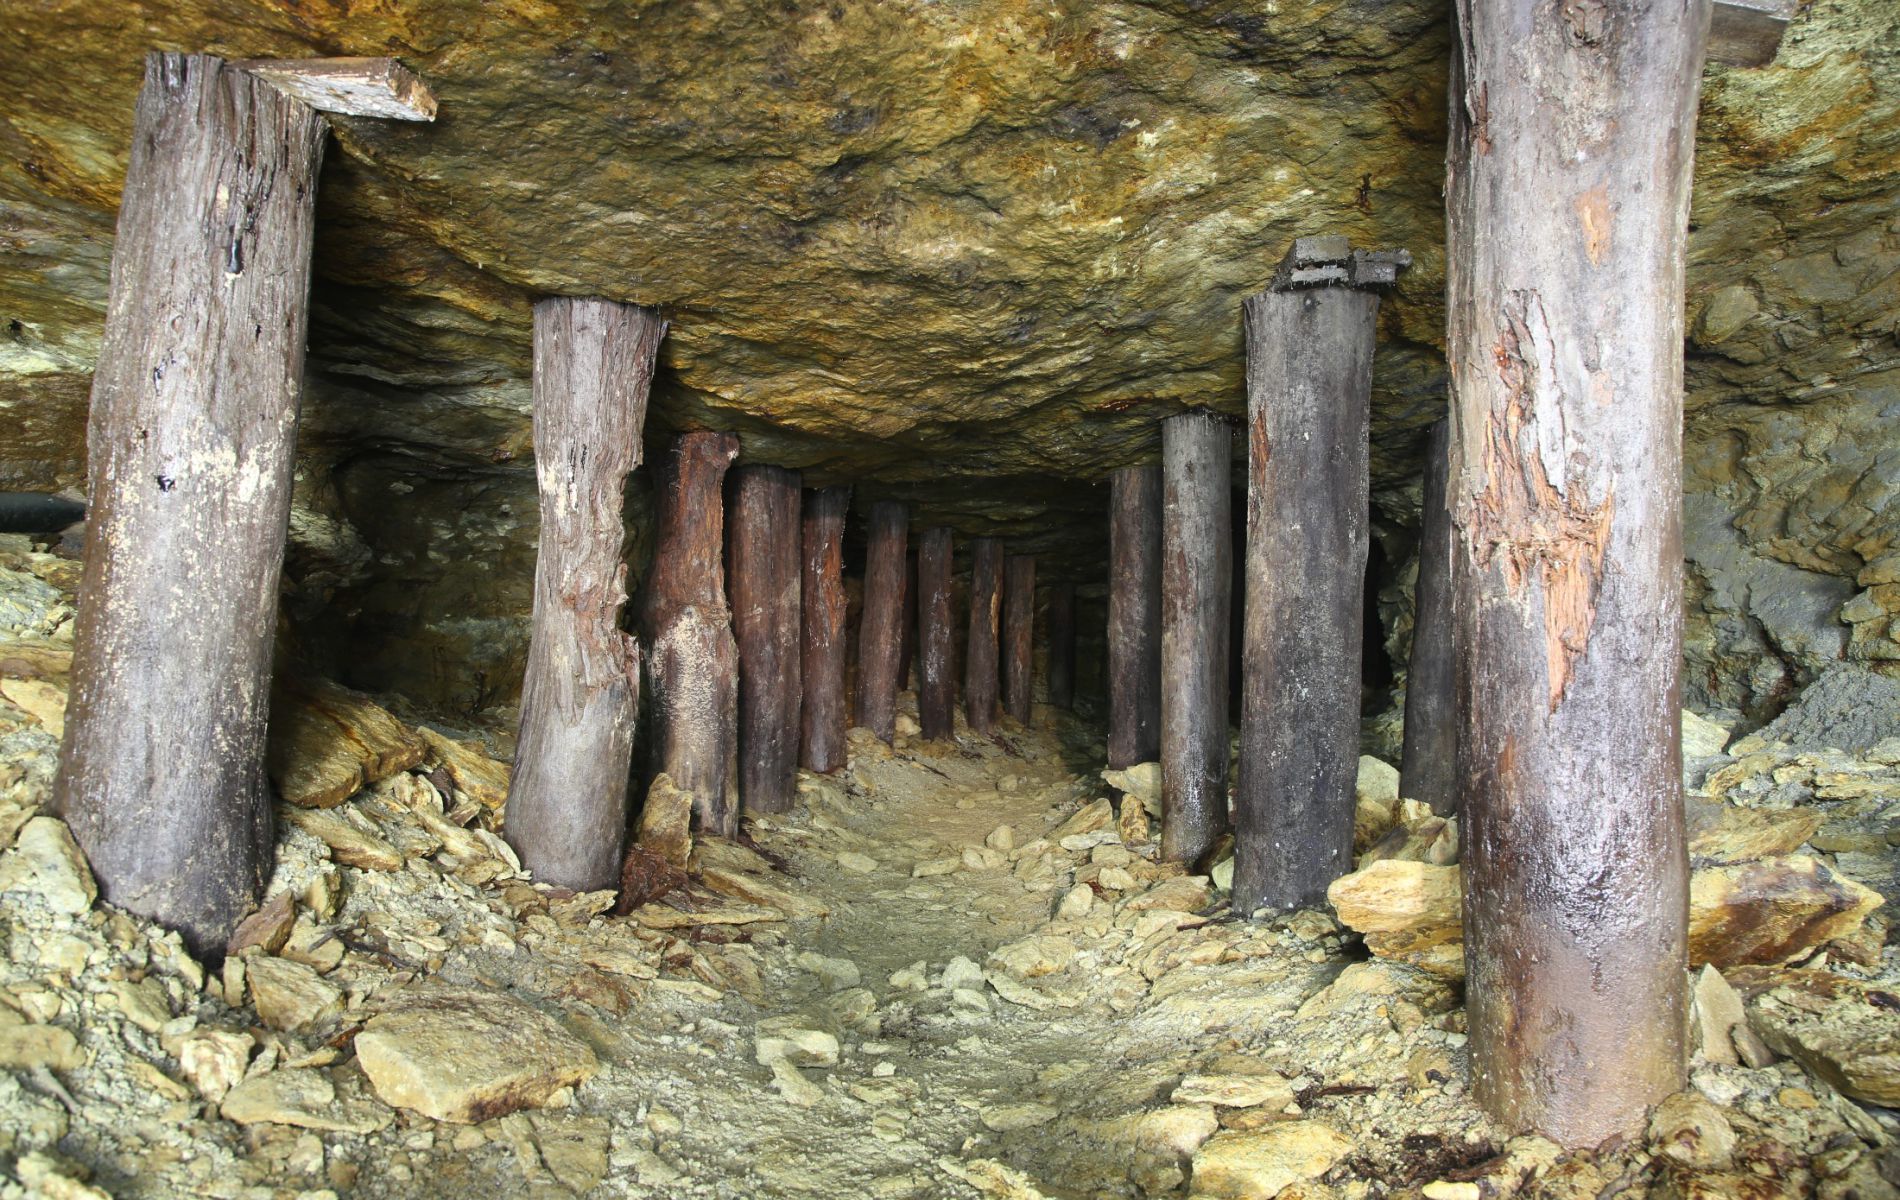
(692, 659)
(1428, 766)
(823, 597)
(1062, 645)
(567, 799)
(1134, 616)
(907, 645)
(881, 628)
(982, 654)
(193, 424)
(936, 681)
(1570, 152)
(1309, 402)
(1196, 578)
(1019, 624)
(763, 558)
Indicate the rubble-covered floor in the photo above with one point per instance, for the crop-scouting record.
(955, 971)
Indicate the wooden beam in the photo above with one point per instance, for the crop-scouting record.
(823, 597)
(1196, 583)
(1019, 625)
(982, 653)
(762, 556)
(1428, 765)
(1748, 33)
(936, 667)
(881, 626)
(567, 797)
(349, 87)
(1062, 645)
(1134, 616)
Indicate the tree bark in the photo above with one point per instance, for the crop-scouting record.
(191, 436)
(1196, 578)
(1019, 625)
(823, 625)
(907, 606)
(936, 679)
(1571, 146)
(1309, 391)
(1062, 645)
(763, 554)
(1428, 767)
(881, 628)
(1134, 616)
(693, 661)
(982, 654)
(567, 799)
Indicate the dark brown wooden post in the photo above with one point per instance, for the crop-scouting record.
(1428, 766)
(880, 629)
(1134, 616)
(692, 660)
(1019, 627)
(1062, 645)
(762, 555)
(1571, 143)
(193, 424)
(907, 606)
(1196, 578)
(567, 799)
(982, 654)
(823, 624)
(1309, 396)
(936, 680)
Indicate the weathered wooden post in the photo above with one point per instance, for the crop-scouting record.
(567, 799)
(692, 659)
(907, 607)
(982, 654)
(762, 555)
(881, 627)
(1062, 645)
(1570, 153)
(1428, 766)
(1019, 625)
(1134, 616)
(194, 417)
(1309, 403)
(1196, 578)
(823, 598)
(936, 681)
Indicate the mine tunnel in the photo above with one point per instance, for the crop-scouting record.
(1218, 600)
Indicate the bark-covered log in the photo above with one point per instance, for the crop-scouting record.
(567, 799)
(1309, 390)
(907, 644)
(1570, 154)
(1062, 645)
(936, 678)
(762, 556)
(881, 627)
(692, 660)
(1196, 583)
(982, 653)
(1134, 616)
(194, 419)
(823, 600)
(1428, 767)
(1019, 626)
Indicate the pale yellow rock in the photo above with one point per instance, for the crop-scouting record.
(1002, 838)
(1720, 832)
(466, 1056)
(800, 1047)
(982, 858)
(471, 770)
(1132, 825)
(1183, 893)
(25, 1046)
(1033, 957)
(1007, 1118)
(349, 843)
(1773, 910)
(1377, 782)
(1096, 814)
(143, 1003)
(1141, 781)
(853, 861)
(300, 1097)
(43, 701)
(1258, 1165)
(666, 821)
(1076, 903)
(1690, 1129)
(327, 743)
(46, 1179)
(1719, 1023)
(267, 929)
(213, 1060)
(1235, 1091)
(45, 864)
(1397, 896)
(1701, 737)
(290, 995)
(935, 866)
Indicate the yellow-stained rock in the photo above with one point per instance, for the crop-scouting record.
(1772, 910)
(1259, 1165)
(327, 743)
(465, 1056)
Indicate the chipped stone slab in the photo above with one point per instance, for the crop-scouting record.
(1773, 910)
(327, 743)
(1259, 1166)
(349, 87)
(45, 862)
(1846, 1032)
(301, 1097)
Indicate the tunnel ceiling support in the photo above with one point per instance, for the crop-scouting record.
(1019, 628)
(192, 430)
(881, 627)
(1134, 616)
(1571, 143)
(567, 796)
(1428, 766)
(692, 658)
(936, 652)
(763, 557)
(1309, 396)
(1196, 590)
(1061, 683)
(822, 717)
(982, 654)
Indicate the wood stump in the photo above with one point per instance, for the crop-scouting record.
(1019, 624)
(1062, 645)
(881, 627)
(982, 652)
(1196, 578)
(823, 597)
(936, 681)
(567, 798)
(190, 442)
(1428, 765)
(1134, 616)
(692, 659)
(762, 558)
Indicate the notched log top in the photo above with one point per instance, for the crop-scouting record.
(350, 87)
(1330, 260)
